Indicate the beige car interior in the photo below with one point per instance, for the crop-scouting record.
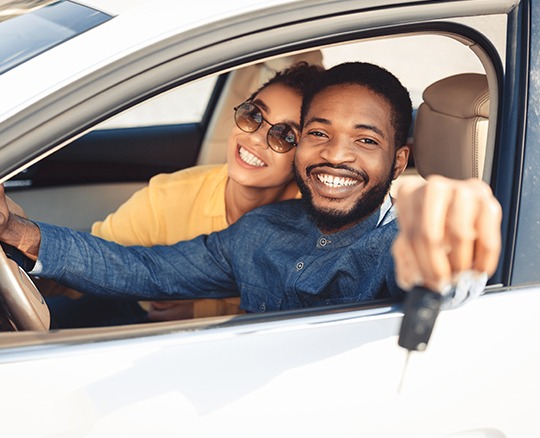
(451, 128)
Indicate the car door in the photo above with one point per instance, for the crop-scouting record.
(318, 372)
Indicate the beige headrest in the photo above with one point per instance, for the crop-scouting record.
(451, 126)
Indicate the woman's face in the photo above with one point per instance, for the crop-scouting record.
(251, 161)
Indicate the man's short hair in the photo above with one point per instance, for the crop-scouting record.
(378, 80)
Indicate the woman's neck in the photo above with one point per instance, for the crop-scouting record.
(240, 199)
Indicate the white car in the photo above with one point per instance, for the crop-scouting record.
(98, 96)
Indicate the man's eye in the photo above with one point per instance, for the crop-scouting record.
(317, 133)
(368, 141)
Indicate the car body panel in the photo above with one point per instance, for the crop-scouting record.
(322, 372)
(310, 376)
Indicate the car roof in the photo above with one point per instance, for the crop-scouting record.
(134, 25)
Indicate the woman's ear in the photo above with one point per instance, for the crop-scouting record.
(402, 158)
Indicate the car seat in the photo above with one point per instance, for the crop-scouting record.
(451, 127)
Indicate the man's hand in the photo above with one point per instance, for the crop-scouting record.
(16, 230)
(186, 309)
(170, 310)
(447, 227)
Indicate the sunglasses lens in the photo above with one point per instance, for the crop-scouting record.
(248, 117)
(281, 138)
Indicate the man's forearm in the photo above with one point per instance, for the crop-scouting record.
(23, 235)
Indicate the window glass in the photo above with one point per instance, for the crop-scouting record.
(185, 104)
(29, 28)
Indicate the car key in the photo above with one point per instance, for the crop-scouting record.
(421, 309)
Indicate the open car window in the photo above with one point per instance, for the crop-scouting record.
(189, 113)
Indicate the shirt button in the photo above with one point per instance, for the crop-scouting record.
(299, 266)
(323, 241)
(262, 307)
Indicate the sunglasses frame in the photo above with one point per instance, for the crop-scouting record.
(268, 134)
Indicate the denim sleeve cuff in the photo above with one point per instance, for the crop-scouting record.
(470, 285)
(53, 245)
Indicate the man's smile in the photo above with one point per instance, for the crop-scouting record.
(335, 183)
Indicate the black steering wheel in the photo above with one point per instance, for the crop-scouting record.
(25, 307)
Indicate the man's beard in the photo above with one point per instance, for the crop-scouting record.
(332, 219)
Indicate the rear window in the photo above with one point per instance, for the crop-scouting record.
(28, 28)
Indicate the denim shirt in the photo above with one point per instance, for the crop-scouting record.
(274, 257)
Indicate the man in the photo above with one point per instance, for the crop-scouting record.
(331, 247)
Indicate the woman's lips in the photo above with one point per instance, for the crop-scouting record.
(250, 159)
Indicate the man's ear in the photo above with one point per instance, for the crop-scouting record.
(402, 158)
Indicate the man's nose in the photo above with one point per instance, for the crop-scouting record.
(339, 150)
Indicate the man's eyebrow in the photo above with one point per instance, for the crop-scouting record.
(324, 121)
(371, 128)
(321, 120)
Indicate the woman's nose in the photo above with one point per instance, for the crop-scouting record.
(258, 137)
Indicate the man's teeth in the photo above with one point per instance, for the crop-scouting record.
(249, 158)
(336, 181)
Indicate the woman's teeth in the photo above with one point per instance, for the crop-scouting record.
(336, 181)
(249, 158)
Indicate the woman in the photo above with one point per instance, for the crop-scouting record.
(204, 199)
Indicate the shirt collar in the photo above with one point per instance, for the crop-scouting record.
(385, 214)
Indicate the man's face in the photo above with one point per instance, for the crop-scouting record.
(346, 158)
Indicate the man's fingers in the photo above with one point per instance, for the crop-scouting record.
(488, 243)
(407, 270)
(461, 228)
(422, 218)
(447, 227)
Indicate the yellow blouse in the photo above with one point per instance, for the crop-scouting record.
(173, 207)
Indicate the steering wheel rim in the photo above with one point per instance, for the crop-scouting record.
(23, 301)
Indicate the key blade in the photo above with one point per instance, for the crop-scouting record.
(405, 366)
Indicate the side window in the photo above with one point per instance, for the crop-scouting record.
(99, 171)
(162, 134)
(182, 105)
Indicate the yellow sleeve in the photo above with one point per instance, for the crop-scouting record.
(132, 223)
(171, 208)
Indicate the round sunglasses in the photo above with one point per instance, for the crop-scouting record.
(280, 137)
